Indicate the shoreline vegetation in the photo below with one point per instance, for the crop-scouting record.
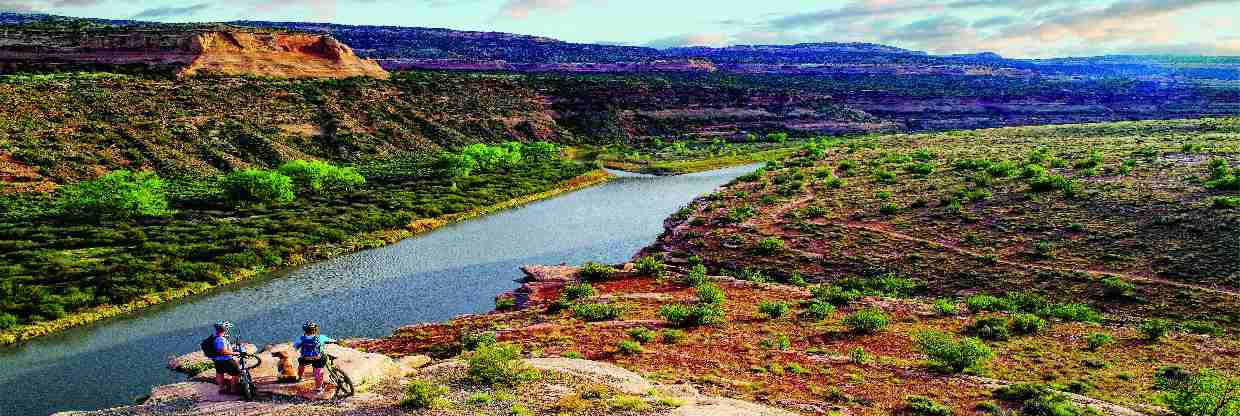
(364, 241)
(677, 157)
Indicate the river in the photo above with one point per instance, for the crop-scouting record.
(433, 277)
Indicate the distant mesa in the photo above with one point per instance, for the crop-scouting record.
(189, 52)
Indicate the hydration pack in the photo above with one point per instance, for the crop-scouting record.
(208, 347)
(310, 346)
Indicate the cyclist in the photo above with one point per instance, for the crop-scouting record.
(219, 349)
(310, 345)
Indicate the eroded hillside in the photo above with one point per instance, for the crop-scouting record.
(186, 52)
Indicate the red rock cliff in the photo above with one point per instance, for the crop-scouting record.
(283, 55)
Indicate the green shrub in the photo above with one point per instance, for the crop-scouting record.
(1027, 323)
(819, 310)
(1047, 183)
(946, 307)
(890, 209)
(1224, 202)
(889, 285)
(672, 336)
(772, 309)
(867, 321)
(708, 293)
(121, 194)
(1097, 340)
(471, 341)
(696, 276)
(924, 406)
(922, 168)
(991, 328)
(595, 272)
(883, 176)
(947, 354)
(318, 176)
(421, 394)
(779, 342)
(986, 303)
(769, 245)
(857, 355)
(578, 291)
(650, 266)
(1075, 312)
(629, 347)
(258, 186)
(1155, 329)
(596, 312)
(1193, 327)
(739, 214)
(684, 316)
(1026, 301)
(641, 334)
(498, 364)
(1041, 400)
(7, 321)
(835, 295)
(1115, 287)
(503, 304)
(1207, 393)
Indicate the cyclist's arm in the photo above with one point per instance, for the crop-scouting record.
(329, 340)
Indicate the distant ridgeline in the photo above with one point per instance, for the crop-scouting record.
(182, 50)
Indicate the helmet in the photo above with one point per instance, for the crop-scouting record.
(309, 326)
(223, 325)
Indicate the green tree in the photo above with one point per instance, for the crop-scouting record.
(457, 165)
(541, 152)
(260, 186)
(317, 176)
(121, 194)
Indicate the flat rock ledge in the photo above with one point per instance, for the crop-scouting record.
(389, 376)
(200, 396)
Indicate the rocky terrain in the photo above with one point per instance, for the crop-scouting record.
(187, 52)
(588, 384)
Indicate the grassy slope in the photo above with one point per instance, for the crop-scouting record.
(1155, 217)
(1154, 227)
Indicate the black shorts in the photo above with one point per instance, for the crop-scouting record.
(229, 367)
(316, 362)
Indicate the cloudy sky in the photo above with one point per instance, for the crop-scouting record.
(1016, 28)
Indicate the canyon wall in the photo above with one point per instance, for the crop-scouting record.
(225, 52)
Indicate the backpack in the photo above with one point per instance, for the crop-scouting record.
(310, 346)
(208, 347)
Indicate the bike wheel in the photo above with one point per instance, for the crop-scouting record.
(344, 385)
(248, 390)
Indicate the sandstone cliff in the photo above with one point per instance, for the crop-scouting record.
(226, 52)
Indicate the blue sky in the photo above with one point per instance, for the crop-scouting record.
(1016, 28)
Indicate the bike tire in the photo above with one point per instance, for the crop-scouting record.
(248, 391)
(344, 385)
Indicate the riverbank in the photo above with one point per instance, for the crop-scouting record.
(680, 167)
(310, 254)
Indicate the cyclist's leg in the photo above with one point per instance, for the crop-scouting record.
(318, 372)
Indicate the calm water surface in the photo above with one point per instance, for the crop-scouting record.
(456, 270)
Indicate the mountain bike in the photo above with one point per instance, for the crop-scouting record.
(246, 382)
(344, 385)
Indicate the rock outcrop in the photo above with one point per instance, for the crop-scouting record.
(191, 52)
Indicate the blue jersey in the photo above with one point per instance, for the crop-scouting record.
(220, 344)
(311, 346)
